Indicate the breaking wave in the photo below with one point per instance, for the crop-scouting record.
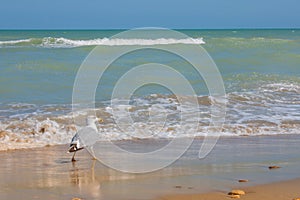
(52, 42)
(271, 109)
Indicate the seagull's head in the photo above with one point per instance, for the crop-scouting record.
(92, 120)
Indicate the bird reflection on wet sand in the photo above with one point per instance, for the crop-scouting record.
(85, 180)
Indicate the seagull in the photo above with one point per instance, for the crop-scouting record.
(85, 137)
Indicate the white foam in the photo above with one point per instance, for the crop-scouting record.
(281, 87)
(65, 42)
(248, 113)
(12, 42)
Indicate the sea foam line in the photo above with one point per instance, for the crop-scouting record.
(65, 42)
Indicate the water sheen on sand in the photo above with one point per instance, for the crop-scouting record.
(47, 173)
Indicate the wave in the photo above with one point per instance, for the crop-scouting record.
(271, 109)
(52, 42)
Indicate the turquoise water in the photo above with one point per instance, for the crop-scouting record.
(260, 69)
(43, 70)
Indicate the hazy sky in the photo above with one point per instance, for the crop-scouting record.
(100, 14)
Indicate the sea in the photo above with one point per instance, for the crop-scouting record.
(260, 70)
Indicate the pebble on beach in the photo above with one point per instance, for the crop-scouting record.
(178, 186)
(243, 180)
(236, 192)
(236, 196)
(274, 167)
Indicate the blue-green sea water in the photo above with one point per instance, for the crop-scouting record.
(260, 70)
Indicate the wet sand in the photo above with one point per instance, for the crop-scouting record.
(285, 190)
(47, 173)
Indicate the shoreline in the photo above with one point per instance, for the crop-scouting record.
(19, 146)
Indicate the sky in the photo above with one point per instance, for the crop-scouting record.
(125, 14)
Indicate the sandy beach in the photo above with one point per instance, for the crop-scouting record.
(48, 173)
(285, 190)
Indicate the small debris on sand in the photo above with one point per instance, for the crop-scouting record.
(243, 181)
(274, 167)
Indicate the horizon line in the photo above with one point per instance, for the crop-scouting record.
(121, 29)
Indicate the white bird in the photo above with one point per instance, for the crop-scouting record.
(85, 137)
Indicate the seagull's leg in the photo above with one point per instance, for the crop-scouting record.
(93, 170)
(93, 167)
(92, 152)
(73, 158)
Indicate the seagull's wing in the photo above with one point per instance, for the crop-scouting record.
(74, 139)
(87, 136)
